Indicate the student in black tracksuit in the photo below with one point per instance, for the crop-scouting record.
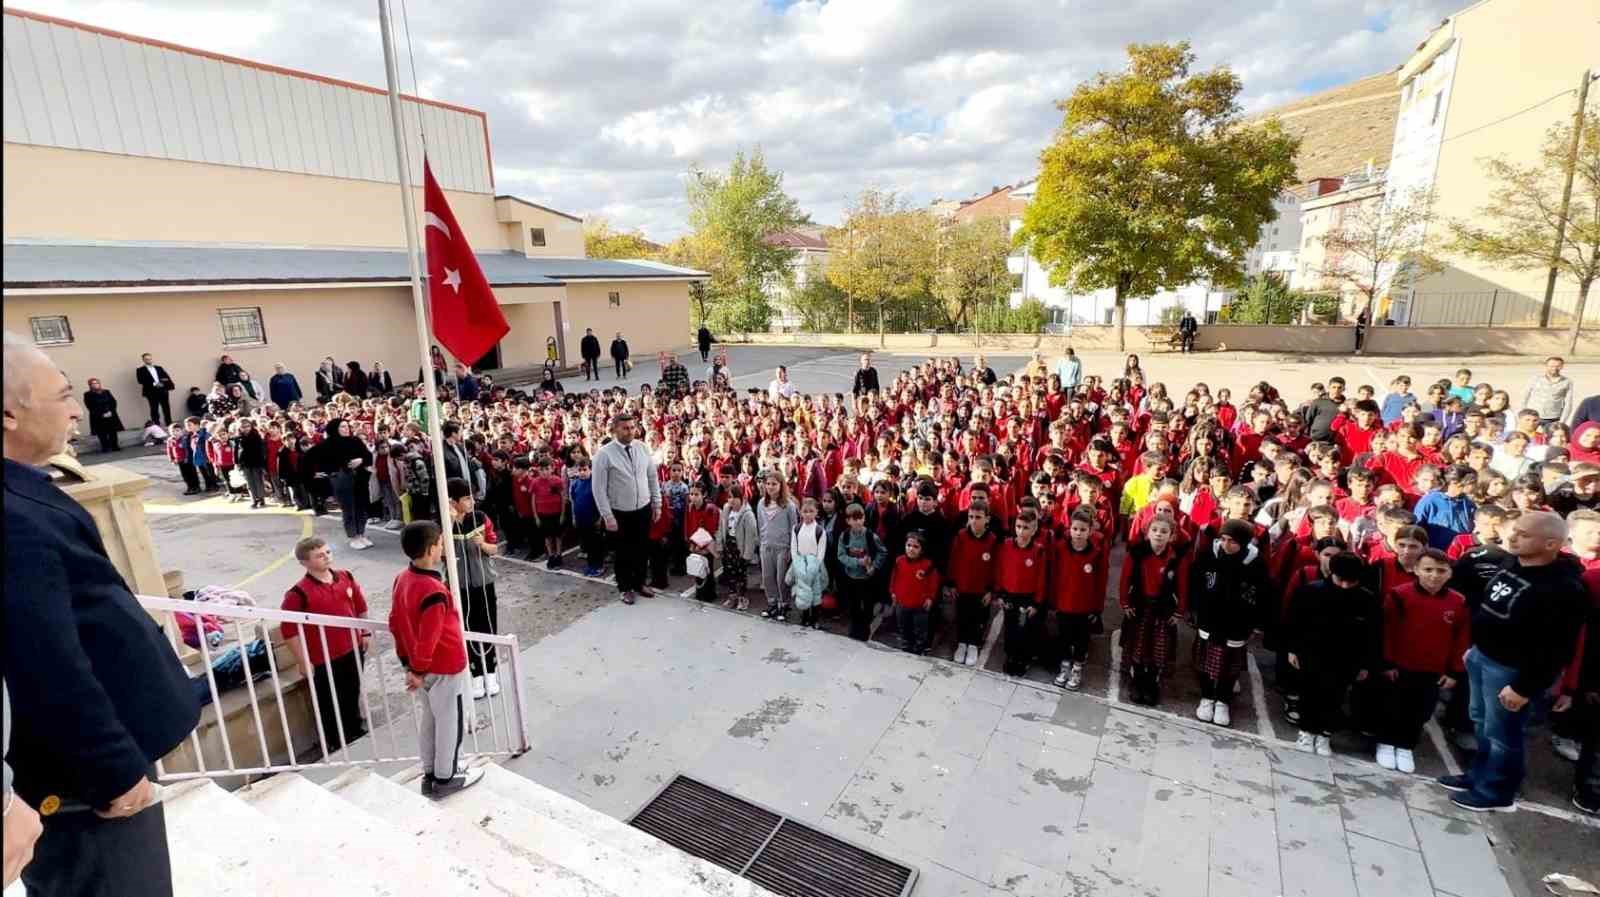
(1335, 637)
(1227, 583)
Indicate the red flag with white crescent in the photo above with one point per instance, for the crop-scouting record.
(466, 317)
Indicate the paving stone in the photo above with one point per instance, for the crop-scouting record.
(1313, 856)
(1175, 858)
(1014, 875)
(1459, 857)
(1244, 845)
(1029, 713)
(1301, 764)
(1374, 805)
(991, 688)
(1241, 770)
(1224, 885)
(1385, 870)
(1114, 806)
(1130, 740)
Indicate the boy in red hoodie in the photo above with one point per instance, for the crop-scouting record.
(1078, 578)
(1426, 632)
(426, 626)
(971, 580)
(1019, 587)
(913, 586)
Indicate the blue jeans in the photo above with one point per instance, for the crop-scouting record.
(1499, 764)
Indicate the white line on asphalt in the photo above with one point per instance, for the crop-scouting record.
(1258, 696)
(1114, 684)
(1436, 735)
(1378, 386)
(993, 637)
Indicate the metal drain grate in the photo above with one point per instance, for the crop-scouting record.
(778, 853)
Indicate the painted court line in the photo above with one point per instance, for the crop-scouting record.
(989, 640)
(1258, 698)
(1436, 735)
(1114, 683)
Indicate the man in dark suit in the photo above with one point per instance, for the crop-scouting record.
(97, 693)
(589, 348)
(157, 388)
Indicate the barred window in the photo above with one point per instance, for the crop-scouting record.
(536, 236)
(242, 326)
(615, 299)
(51, 330)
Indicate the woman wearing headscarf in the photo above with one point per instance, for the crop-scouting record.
(379, 383)
(330, 377)
(355, 381)
(347, 462)
(219, 402)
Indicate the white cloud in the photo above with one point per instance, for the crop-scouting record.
(600, 107)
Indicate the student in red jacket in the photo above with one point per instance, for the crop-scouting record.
(913, 586)
(1152, 595)
(426, 625)
(970, 582)
(1020, 577)
(1078, 579)
(1426, 632)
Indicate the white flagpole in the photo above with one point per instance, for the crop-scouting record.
(413, 252)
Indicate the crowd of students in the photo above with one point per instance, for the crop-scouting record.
(1360, 535)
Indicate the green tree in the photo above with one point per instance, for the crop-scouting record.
(884, 257)
(1265, 300)
(1154, 181)
(730, 215)
(1517, 229)
(1380, 247)
(971, 269)
(601, 242)
(1000, 317)
(820, 302)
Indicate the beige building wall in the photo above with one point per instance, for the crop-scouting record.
(531, 324)
(58, 194)
(563, 235)
(182, 330)
(1513, 54)
(652, 316)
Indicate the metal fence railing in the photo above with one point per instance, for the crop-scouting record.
(251, 729)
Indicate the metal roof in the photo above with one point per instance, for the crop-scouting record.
(39, 265)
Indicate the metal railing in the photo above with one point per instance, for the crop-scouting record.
(500, 730)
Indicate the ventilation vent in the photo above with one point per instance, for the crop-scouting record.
(778, 853)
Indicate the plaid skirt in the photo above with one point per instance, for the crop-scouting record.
(735, 569)
(1149, 640)
(1218, 661)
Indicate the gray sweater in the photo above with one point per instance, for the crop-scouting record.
(776, 528)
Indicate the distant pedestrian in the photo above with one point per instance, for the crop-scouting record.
(704, 340)
(156, 386)
(619, 354)
(866, 377)
(1187, 328)
(283, 388)
(589, 349)
(104, 422)
(1549, 393)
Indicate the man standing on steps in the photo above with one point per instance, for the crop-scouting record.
(589, 348)
(628, 495)
(97, 692)
(1523, 630)
(157, 388)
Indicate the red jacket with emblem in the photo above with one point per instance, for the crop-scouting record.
(971, 562)
(1022, 571)
(914, 583)
(425, 624)
(1425, 633)
(1078, 578)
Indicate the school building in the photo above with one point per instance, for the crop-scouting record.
(170, 200)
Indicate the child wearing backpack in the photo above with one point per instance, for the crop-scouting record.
(861, 557)
(808, 573)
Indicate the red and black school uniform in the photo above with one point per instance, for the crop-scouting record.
(1021, 574)
(1334, 632)
(1226, 592)
(1078, 579)
(1152, 591)
(970, 568)
(1424, 637)
(334, 653)
(912, 587)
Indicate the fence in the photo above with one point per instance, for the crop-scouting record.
(237, 736)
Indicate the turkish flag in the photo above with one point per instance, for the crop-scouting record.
(466, 317)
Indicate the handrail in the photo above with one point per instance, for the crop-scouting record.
(263, 749)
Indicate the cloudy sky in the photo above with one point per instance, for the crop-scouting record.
(599, 106)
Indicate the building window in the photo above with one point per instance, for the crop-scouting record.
(51, 330)
(1438, 100)
(614, 300)
(1110, 314)
(242, 326)
(1016, 282)
(536, 236)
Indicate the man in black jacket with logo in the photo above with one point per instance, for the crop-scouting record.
(97, 691)
(1523, 630)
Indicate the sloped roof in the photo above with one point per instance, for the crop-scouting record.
(1343, 127)
(790, 239)
(40, 265)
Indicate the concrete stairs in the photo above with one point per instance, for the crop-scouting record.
(364, 835)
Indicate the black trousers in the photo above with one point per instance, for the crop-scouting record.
(1021, 632)
(593, 543)
(1072, 636)
(622, 368)
(1322, 688)
(160, 407)
(337, 685)
(632, 547)
(191, 476)
(591, 369)
(859, 601)
(971, 618)
(1404, 706)
(108, 440)
(483, 615)
(705, 353)
(82, 855)
(1187, 340)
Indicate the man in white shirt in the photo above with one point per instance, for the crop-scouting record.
(781, 388)
(627, 493)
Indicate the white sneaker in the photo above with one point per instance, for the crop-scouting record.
(1404, 761)
(355, 545)
(1565, 748)
(961, 653)
(394, 526)
(366, 543)
(491, 684)
(972, 655)
(1061, 677)
(1324, 746)
(1221, 714)
(477, 688)
(1206, 711)
(1306, 742)
(1386, 756)
(1075, 678)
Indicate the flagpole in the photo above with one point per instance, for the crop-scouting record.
(413, 253)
